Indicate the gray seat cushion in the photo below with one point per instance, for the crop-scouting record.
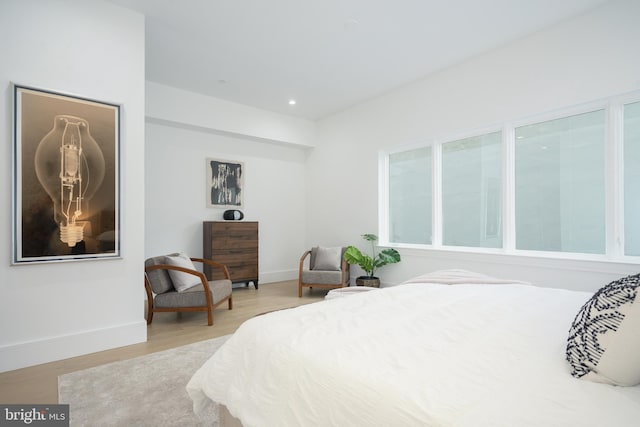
(194, 297)
(322, 277)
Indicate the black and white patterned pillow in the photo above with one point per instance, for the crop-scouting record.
(604, 339)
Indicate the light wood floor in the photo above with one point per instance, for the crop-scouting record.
(39, 384)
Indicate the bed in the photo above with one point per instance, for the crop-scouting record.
(439, 350)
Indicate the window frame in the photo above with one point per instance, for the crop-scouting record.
(614, 183)
(485, 132)
(386, 184)
(618, 156)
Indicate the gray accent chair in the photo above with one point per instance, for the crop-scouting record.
(162, 295)
(310, 277)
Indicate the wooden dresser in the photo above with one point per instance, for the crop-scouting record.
(234, 244)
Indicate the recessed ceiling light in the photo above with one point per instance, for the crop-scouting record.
(292, 102)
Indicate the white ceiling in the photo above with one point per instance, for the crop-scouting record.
(326, 54)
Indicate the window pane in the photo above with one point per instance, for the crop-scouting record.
(559, 172)
(410, 196)
(632, 179)
(472, 191)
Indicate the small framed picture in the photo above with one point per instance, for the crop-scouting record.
(66, 198)
(225, 183)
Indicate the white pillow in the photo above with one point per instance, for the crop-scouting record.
(604, 340)
(328, 259)
(182, 281)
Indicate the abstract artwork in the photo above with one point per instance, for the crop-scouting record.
(65, 177)
(224, 183)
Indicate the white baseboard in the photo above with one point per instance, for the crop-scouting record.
(25, 354)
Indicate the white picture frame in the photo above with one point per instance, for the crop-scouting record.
(66, 177)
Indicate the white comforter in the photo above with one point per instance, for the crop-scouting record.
(413, 355)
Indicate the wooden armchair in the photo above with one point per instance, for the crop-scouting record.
(327, 269)
(173, 284)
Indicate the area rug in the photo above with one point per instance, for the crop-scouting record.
(145, 391)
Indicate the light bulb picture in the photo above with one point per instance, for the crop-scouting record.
(66, 203)
(70, 166)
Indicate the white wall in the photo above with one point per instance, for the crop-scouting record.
(54, 311)
(590, 57)
(176, 152)
(177, 107)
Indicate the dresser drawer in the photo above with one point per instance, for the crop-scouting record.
(234, 244)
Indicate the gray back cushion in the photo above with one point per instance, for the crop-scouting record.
(314, 255)
(159, 279)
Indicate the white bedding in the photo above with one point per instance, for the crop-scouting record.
(413, 355)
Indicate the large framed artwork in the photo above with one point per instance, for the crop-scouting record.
(225, 179)
(66, 198)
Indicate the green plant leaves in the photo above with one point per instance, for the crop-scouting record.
(353, 256)
(370, 237)
(370, 263)
(389, 256)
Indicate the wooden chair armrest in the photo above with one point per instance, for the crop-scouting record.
(202, 277)
(302, 258)
(214, 264)
(147, 287)
(345, 268)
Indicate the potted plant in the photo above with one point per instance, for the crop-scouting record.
(370, 263)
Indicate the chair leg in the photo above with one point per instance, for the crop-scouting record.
(299, 290)
(149, 312)
(230, 303)
(210, 316)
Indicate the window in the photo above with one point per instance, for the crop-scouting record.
(631, 132)
(568, 184)
(559, 185)
(472, 191)
(410, 196)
